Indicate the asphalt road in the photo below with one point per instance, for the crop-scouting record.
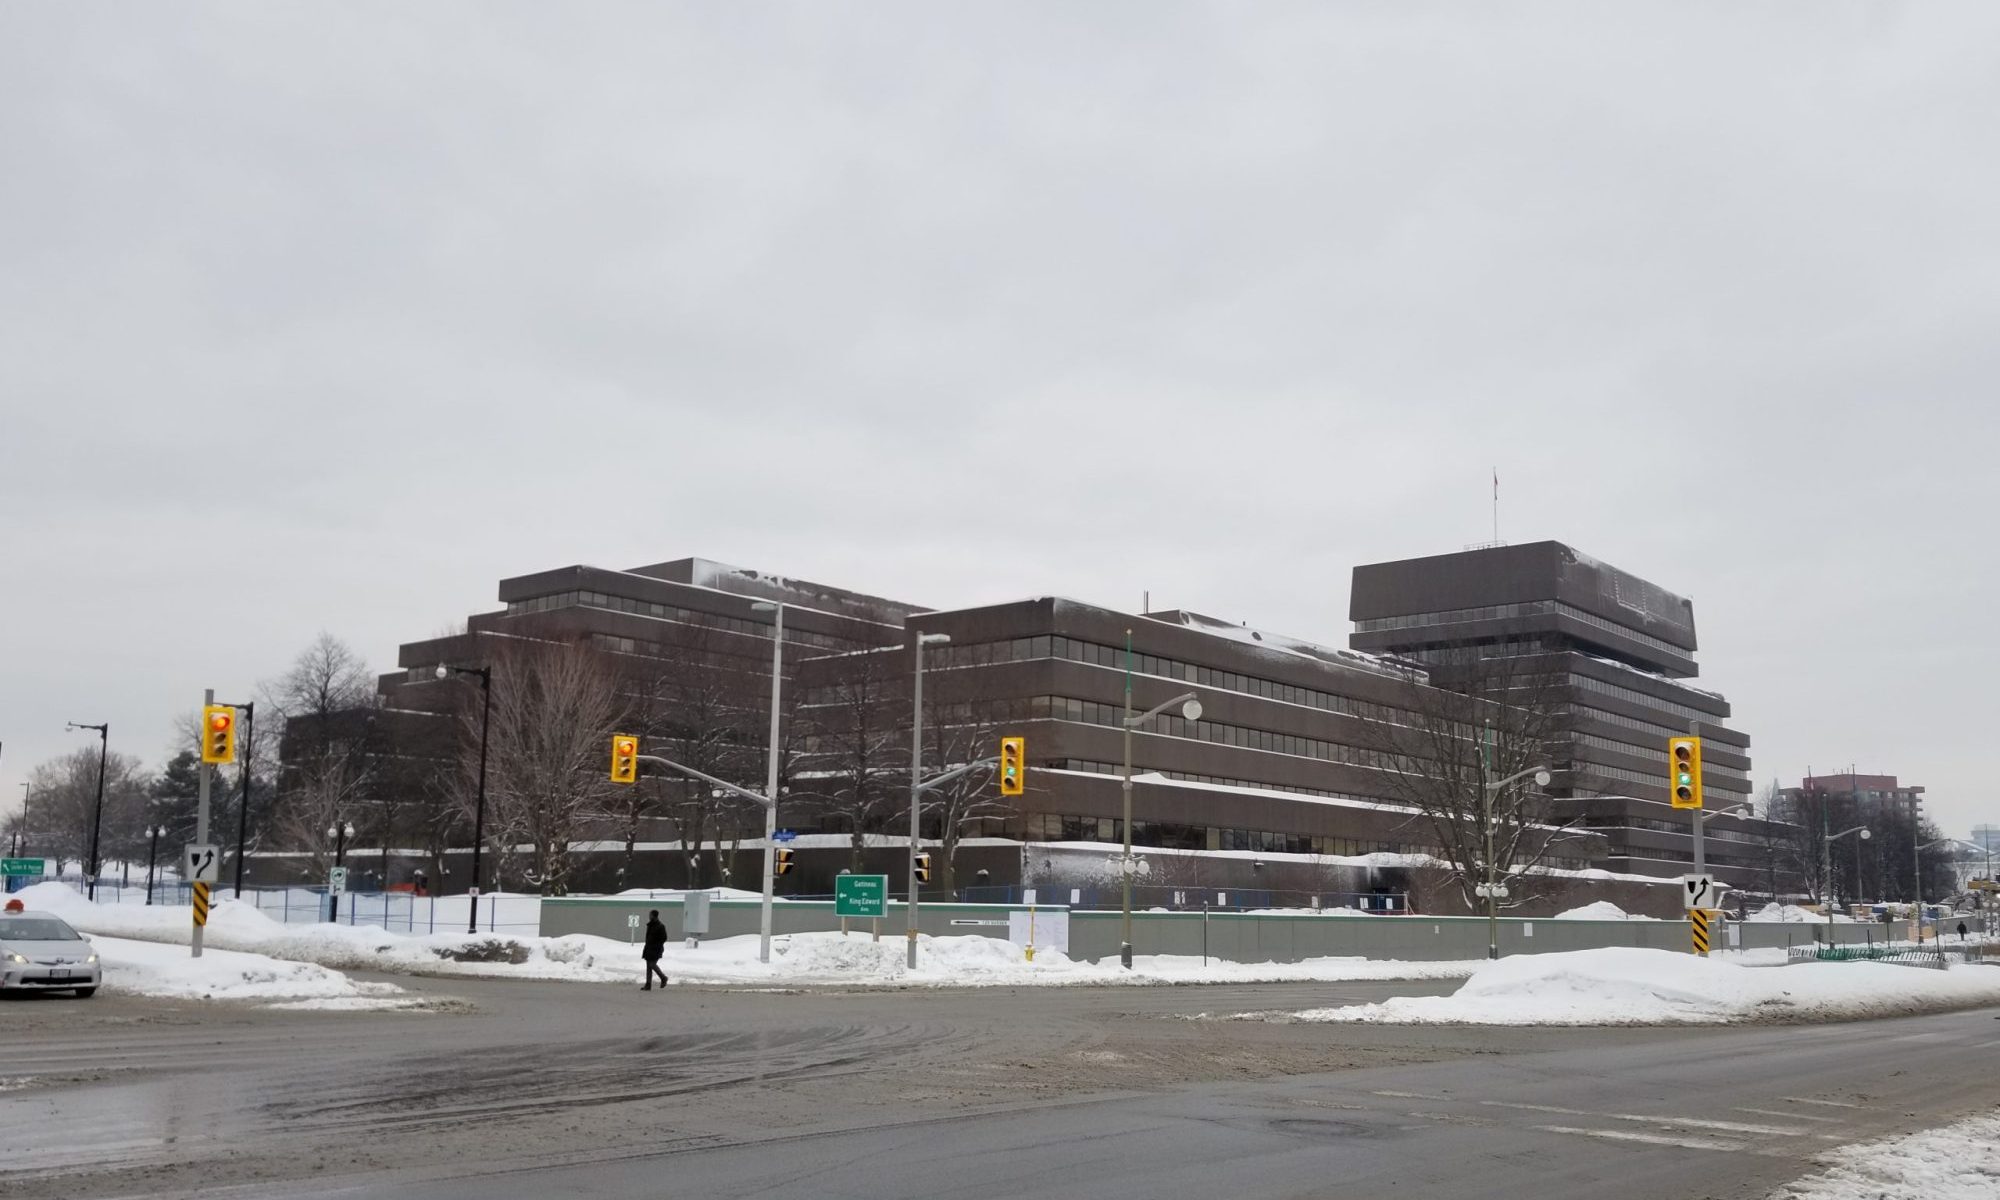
(526, 1089)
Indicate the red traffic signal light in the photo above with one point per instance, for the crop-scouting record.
(218, 734)
(624, 758)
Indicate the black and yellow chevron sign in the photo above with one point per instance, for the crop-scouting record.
(201, 904)
(1698, 921)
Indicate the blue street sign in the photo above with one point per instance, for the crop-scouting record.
(783, 835)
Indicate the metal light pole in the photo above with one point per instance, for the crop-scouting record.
(152, 852)
(1917, 877)
(1191, 710)
(917, 778)
(339, 831)
(97, 819)
(243, 804)
(771, 776)
(1827, 861)
(1486, 793)
(27, 799)
(479, 809)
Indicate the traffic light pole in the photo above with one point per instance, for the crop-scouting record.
(770, 831)
(206, 776)
(1694, 730)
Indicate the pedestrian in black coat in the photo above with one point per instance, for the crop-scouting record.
(656, 945)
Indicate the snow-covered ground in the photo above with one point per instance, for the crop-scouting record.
(1793, 913)
(1600, 910)
(1625, 986)
(1958, 1162)
(802, 958)
(157, 969)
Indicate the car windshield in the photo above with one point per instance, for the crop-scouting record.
(35, 929)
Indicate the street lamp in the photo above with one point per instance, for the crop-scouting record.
(479, 809)
(1917, 873)
(153, 832)
(1492, 888)
(1826, 862)
(777, 611)
(917, 780)
(339, 831)
(1191, 711)
(97, 819)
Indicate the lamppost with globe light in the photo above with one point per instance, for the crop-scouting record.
(339, 831)
(1190, 705)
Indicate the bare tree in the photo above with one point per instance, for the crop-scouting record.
(857, 721)
(1488, 712)
(553, 711)
(955, 734)
(696, 705)
(62, 806)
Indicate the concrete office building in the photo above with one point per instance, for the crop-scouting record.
(1620, 651)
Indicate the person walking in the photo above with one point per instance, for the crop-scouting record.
(656, 945)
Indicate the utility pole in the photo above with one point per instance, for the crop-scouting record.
(243, 805)
(97, 819)
(207, 774)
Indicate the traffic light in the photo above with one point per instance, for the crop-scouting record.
(218, 734)
(1684, 771)
(624, 758)
(784, 861)
(1013, 765)
(923, 868)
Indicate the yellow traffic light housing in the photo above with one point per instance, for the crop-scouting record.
(1684, 771)
(1013, 766)
(624, 758)
(923, 868)
(783, 863)
(218, 734)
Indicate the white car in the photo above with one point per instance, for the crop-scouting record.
(39, 950)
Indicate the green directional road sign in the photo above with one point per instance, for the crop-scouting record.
(860, 895)
(20, 866)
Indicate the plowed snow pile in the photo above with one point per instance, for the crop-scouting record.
(1623, 986)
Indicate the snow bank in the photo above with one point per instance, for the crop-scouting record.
(1625, 986)
(800, 958)
(1600, 910)
(1793, 913)
(1958, 1162)
(153, 969)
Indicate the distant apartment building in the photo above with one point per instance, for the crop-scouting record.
(1622, 650)
(1867, 793)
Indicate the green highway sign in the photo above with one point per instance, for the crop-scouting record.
(860, 895)
(20, 866)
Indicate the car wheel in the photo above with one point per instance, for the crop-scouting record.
(85, 993)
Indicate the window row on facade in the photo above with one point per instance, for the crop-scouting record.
(1526, 608)
(672, 612)
(1591, 683)
(1071, 649)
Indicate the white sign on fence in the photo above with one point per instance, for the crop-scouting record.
(1050, 930)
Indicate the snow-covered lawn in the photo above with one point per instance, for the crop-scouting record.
(156, 969)
(1958, 1162)
(1625, 986)
(800, 958)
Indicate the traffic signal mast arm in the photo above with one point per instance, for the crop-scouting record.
(724, 784)
(954, 773)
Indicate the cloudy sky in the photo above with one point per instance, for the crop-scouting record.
(329, 316)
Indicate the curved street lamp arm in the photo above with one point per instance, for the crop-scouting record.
(1157, 709)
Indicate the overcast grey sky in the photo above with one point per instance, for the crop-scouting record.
(329, 316)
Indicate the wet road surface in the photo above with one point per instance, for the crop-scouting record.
(538, 1089)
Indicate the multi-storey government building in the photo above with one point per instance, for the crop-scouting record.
(1621, 651)
(1287, 759)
